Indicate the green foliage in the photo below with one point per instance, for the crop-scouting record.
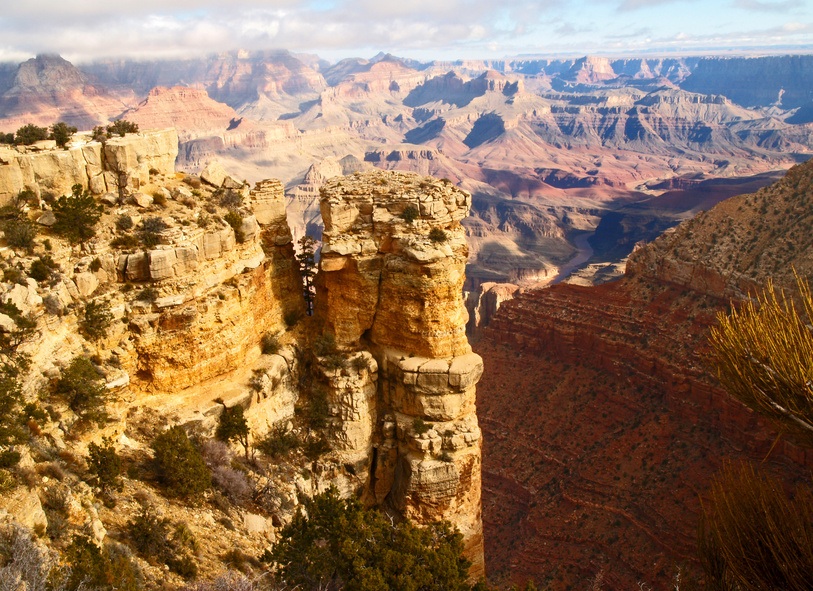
(41, 268)
(306, 257)
(29, 134)
(124, 222)
(291, 318)
(159, 540)
(232, 426)
(325, 344)
(278, 442)
(96, 320)
(20, 233)
(6, 138)
(235, 220)
(99, 134)
(410, 214)
(121, 127)
(105, 464)
(179, 465)
(107, 568)
(337, 544)
(76, 216)
(125, 242)
(438, 235)
(82, 389)
(148, 294)
(269, 344)
(150, 231)
(420, 426)
(229, 198)
(61, 132)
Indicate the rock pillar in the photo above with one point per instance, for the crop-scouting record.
(391, 284)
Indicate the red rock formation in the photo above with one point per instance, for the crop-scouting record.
(602, 422)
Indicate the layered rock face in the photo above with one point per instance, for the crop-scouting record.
(387, 290)
(119, 165)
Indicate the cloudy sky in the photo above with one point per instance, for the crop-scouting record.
(82, 30)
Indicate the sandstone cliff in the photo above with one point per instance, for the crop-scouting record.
(205, 308)
(118, 165)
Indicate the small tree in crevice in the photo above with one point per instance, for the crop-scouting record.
(307, 267)
(179, 465)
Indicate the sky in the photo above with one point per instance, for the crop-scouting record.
(84, 30)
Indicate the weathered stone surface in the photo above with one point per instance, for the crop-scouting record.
(123, 163)
(23, 506)
(142, 199)
(47, 219)
(86, 283)
(386, 288)
(162, 264)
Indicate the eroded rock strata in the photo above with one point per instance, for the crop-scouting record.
(602, 419)
(390, 287)
(204, 296)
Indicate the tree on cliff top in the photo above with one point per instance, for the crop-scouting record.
(61, 133)
(121, 128)
(338, 544)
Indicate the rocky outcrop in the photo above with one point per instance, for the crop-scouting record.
(120, 165)
(390, 290)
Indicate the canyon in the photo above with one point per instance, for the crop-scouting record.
(598, 424)
(547, 148)
(603, 422)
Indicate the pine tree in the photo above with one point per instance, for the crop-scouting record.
(307, 267)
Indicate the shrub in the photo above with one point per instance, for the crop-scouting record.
(410, 214)
(269, 344)
(159, 199)
(99, 134)
(125, 242)
(76, 216)
(105, 464)
(420, 426)
(159, 540)
(291, 317)
(235, 220)
(148, 294)
(179, 465)
(325, 344)
(20, 233)
(97, 320)
(150, 231)
(40, 270)
(192, 181)
(232, 483)
(61, 132)
(82, 388)
(278, 442)
(6, 138)
(121, 127)
(124, 222)
(29, 134)
(437, 235)
(230, 198)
